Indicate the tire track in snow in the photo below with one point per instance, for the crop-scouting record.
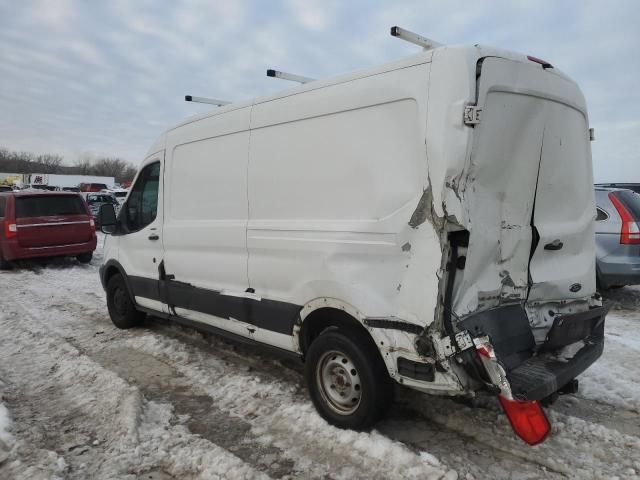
(483, 431)
(78, 420)
(317, 450)
(476, 453)
(577, 448)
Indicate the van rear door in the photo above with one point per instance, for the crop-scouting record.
(563, 264)
(529, 190)
(51, 220)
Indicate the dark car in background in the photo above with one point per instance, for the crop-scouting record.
(617, 237)
(627, 186)
(96, 200)
(92, 187)
(45, 224)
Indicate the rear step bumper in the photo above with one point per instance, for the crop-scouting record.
(547, 372)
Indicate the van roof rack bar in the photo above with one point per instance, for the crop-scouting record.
(210, 101)
(411, 37)
(289, 76)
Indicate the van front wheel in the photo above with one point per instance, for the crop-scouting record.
(121, 308)
(347, 380)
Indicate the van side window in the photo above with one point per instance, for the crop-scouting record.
(3, 201)
(142, 206)
(601, 215)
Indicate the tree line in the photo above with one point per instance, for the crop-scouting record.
(26, 162)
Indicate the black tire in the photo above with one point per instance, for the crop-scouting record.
(366, 383)
(122, 310)
(5, 264)
(85, 257)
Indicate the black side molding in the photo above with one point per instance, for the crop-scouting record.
(393, 325)
(272, 315)
(203, 327)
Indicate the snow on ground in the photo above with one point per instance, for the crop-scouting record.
(87, 400)
(6, 439)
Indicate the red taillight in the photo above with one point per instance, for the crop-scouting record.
(92, 224)
(527, 419)
(10, 230)
(630, 231)
(544, 63)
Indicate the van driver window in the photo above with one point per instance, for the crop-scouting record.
(142, 205)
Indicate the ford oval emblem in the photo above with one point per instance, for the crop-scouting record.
(576, 287)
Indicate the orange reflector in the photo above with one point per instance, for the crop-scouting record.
(527, 419)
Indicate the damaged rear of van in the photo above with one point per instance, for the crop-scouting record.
(513, 206)
(427, 222)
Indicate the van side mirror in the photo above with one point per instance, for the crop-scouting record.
(107, 218)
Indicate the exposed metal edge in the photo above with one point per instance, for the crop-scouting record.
(388, 324)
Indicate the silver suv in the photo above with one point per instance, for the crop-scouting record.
(617, 237)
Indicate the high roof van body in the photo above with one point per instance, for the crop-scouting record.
(428, 221)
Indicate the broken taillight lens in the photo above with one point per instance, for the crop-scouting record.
(630, 231)
(527, 419)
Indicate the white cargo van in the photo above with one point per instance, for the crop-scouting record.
(428, 222)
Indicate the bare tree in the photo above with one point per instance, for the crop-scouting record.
(108, 167)
(26, 162)
(50, 163)
(83, 164)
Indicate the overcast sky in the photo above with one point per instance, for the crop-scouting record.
(108, 77)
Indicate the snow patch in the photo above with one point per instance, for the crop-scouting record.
(6, 439)
(569, 351)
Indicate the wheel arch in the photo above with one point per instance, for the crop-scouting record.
(111, 268)
(323, 313)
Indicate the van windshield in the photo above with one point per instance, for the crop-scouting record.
(49, 206)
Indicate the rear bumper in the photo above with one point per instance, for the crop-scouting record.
(13, 251)
(557, 361)
(621, 277)
(520, 368)
(619, 270)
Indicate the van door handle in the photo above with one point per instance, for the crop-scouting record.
(153, 236)
(555, 245)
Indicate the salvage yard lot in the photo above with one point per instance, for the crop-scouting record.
(86, 400)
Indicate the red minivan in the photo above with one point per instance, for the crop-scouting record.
(47, 224)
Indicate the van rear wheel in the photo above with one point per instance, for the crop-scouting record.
(121, 308)
(347, 379)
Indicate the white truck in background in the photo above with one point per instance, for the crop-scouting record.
(61, 182)
(428, 221)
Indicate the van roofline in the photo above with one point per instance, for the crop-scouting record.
(404, 62)
(425, 56)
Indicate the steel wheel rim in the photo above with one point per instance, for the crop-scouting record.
(339, 382)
